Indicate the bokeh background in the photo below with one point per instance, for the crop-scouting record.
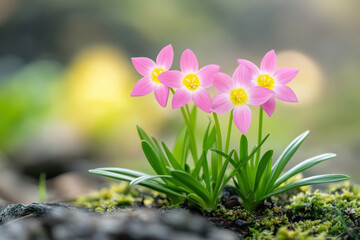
(66, 78)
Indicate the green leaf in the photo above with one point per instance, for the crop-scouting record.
(327, 178)
(219, 152)
(198, 165)
(198, 200)
(153, 186)
(206, 173)
(153, 159)
(190, 183)
(220, 180)
(181, 146)
(174, 163)
(302, 167)
(143, 135)
(284, 158)
(146, 178)
(258, 146)
(160, 153)
(262, 166)
(243, 148)
(206, 135)
(123, 171)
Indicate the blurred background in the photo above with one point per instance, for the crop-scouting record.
(66, 78)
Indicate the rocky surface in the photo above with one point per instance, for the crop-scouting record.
(58, 222)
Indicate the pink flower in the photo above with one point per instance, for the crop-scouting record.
(151, 70)
(237, 93)
(274, 79)
(190, 82)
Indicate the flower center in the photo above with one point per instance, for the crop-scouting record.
(155, 74)
(265, 81)
(191, 81)
(238, 96)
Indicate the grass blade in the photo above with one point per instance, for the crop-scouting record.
(153, 159)
(146, 178)
(327, 178)
(262, 166)
(285, 157)
(302, 167)
(187, 181)
(153, 186)
(174, 163)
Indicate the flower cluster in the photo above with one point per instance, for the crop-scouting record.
(254, 176)
(249, 85)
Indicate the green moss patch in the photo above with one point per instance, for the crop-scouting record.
(301, 214)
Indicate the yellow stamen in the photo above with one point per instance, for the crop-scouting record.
(238, 96)
(155, 74)
(191, 81)
(265, 81)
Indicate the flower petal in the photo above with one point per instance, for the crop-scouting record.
(269, 106)
(143, 65)
(242, 118)
(202, 99)
(252, 67)
(242, 76)
(161, 94)
(269, 62)
(258, 95)
(206, 75)
(285, 93)
(188, 62)
(143, 87)
(181, 97)
(285, 75)
(165, 57)
(223, 83)
(171, 78)
(221, 103)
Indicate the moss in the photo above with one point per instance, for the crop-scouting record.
(300, 214)
(121, 196)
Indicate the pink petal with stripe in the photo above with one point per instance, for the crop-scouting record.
(171, 78)
(221, 103)
(206, 75)
(181, 97)
(143, 87)
(285, 93)
(165, 57)
(242, 118)
(269, 106)
(242, 77)
(161, 94)
(188, 62)
(269, 62)
(285, 75)
(223, 83)
(143, 65)
(258, 95)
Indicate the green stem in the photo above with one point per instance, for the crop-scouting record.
(229, 132)
(193, 146)
(261, 113)
(219, 140)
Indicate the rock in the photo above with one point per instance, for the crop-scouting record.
(16, 211)
(229, 198)
(138, 224)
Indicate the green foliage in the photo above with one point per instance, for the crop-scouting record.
(256, 181)
(201, 184)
